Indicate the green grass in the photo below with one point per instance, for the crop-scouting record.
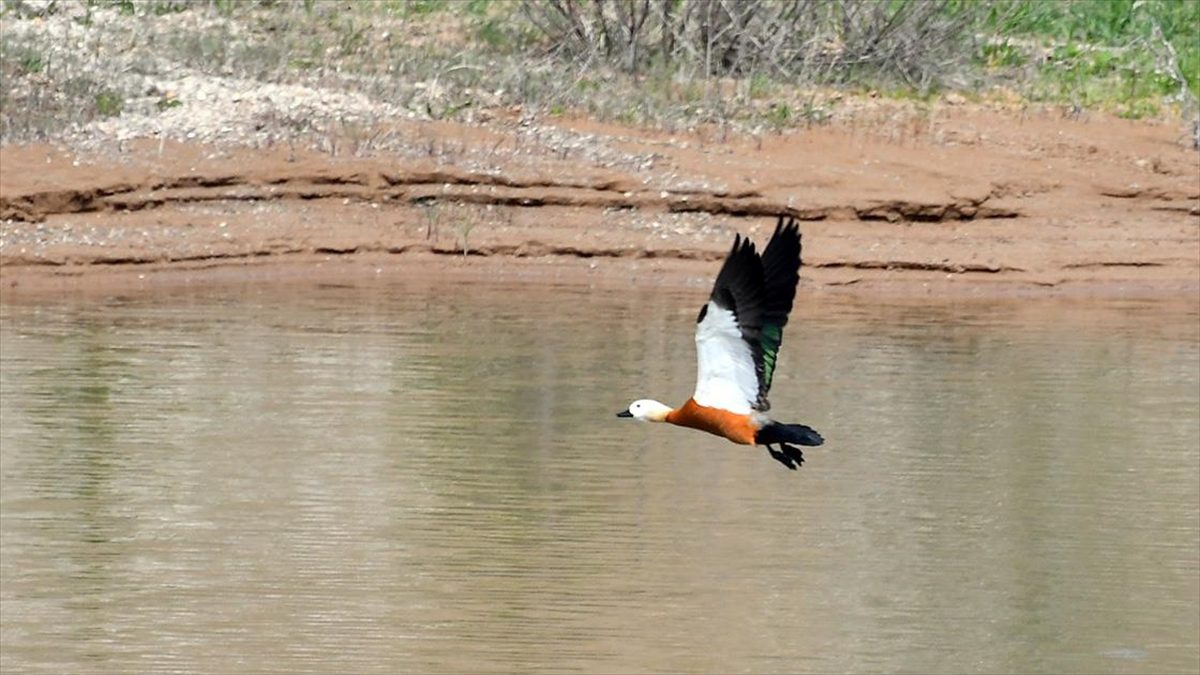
(109, 103)
(1106, 22)
(29, 61)
(1130, 56)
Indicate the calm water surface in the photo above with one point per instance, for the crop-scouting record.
(427, 478)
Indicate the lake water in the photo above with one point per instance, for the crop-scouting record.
(420, 477)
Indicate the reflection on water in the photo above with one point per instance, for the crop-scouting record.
(420, 478)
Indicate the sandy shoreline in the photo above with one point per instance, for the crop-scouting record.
(974, 203)
(28, 283)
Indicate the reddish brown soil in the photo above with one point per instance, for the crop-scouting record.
(973, 202)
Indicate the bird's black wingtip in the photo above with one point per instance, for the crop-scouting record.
(787, 223)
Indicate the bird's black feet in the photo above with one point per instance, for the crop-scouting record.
(781, 458)
(793, 452)
(787, 455)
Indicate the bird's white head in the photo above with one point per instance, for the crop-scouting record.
(646, 410)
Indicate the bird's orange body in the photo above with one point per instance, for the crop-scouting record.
(737, 428)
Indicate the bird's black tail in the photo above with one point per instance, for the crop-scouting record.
(787, 433)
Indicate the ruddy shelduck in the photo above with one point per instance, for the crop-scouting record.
(738, 334)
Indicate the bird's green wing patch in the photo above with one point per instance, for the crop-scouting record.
(770, 339)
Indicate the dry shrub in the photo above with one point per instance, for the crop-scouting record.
(822, 41)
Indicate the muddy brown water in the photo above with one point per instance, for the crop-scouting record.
(406, 477)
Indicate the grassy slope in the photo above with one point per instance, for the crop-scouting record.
(448, 60)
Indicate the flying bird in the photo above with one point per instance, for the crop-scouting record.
(738, 334)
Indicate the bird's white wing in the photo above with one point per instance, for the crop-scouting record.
(725, 374)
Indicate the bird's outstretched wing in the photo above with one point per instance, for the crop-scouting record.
(740, 329)
(781, 272)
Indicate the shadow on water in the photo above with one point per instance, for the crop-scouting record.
(429, 478)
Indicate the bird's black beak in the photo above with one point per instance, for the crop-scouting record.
(624, 413)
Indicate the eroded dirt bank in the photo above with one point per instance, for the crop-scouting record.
(964, 201)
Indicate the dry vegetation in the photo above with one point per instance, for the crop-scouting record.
(330, 74)
(919, 44)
